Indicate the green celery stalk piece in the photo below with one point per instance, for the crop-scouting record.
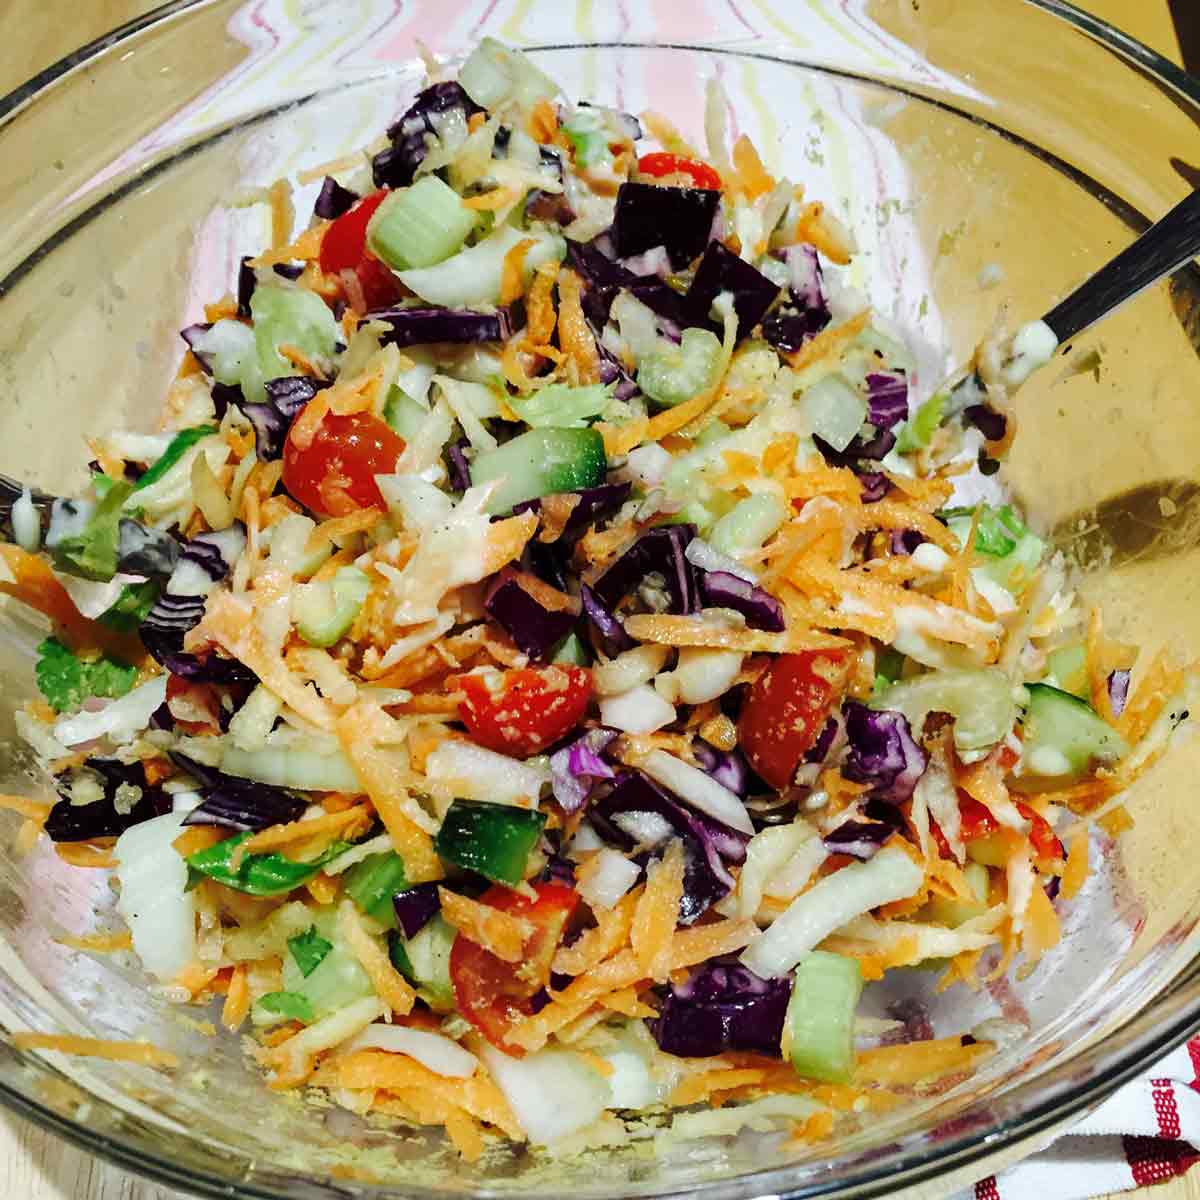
(819, 1029)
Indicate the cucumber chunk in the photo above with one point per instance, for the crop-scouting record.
(1064, 738)
(540, 462)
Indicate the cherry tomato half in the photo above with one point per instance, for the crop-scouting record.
(977, 822)
(335, 474)
(522, 712)
(660, 164)
(344, 248)
(786, 708)
(493, 994)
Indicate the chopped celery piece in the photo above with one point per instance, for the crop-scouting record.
(292, 317)
(586, 132)
(1064, 737)
(494, 840)
(324, 610)
(916, 433)
(835, 411)
(571, 650)
(289, 539)
(561, 406)
(982, 702)
(373, 883)
(420, 226)
(88, 549)
(1010, 552)
(819, 1027)
(1066, 669)
(404, 414)
(748, 525)
(672, 374)
(540, 462)
(713, 432)
(309, 950)
(494, 74)
(276, 1007)
(947, 911)
(424, 960)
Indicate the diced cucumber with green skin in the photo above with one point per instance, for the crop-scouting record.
(539, 463)
(373, 883)
(92, 552)
(493, 840)
(325, 610)
(419, 226)
(673, 374)
(404, 414)
(1067, 670)
(981, 701)
(951, 912)
(424, 960)
(917, 432)
(819, 1027)
(571, 651)
(748, 524)
(1064, 737)
(293, 317)
(337, 980)
(180, 444)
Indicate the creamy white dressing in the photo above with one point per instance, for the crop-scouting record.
(1033, 346)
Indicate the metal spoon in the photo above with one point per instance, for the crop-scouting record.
(1165, 247)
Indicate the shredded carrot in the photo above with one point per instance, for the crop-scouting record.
(198, 837)
(816, 228)
(330, 531)
(237, 1000)
(540, 315)
(668, 630)
(391, 987)
(1076, 872)
(593, 946)
(753, 179)
(626, 1001)
(301, 361)
(33, 810)
(324, 888)
(66, 1043)
(461, 1127)
(512, 276)
(85, 854)
(101, 943)
(1116, 821)
(493, 201)
(543, 122)
(657, 913)
(830, 342)
(283, 212)
(916, 1062)
(501, 933)
(702, 942)
(574, 333)
(382, 780)
(1041, 931)
(356, 819)
(305, 248)
(304, 427)
(813, 1129)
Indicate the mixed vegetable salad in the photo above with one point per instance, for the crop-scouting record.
(545, 665)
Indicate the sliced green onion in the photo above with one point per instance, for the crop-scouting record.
(672, 374)
(819, 1028)
(420, 226)
(309, 950)
(258, 874)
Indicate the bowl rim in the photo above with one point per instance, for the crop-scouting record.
(1104, 1065)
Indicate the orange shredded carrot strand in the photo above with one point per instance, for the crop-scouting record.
(574, 333)
(915, 1062)
(65, 1043)
(85, 854)
(197, 838)
(237, 1000)
(657, 913)
(391, 987)
(339, 527)
(594, 945)
(501, 933)
(512, 274)
(295, 831)
(33, 810)
(1076, 872)
(101, 943)
(753, 178)
(830, 342)
(702, 942)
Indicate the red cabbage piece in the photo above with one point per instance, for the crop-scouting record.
(605, 624)
(557, 870)
(144, 551)
(806, 312)
(887, 398)
(905, 541)
(706, 843)
(575, 768)
(722, 589)
(1118, 690)
(333, 200)
(162, 633)
(660, 551)
(821, 748)
(875, 485)
(613, 371)
(914, 1015)
(649, 215)
(603, 279)
(723, 1006)
(858, 839)
(594, 503)
(416, 907)
(882, 752)
(397, 165)
(247, 281)
(421, 326)
(457, 467)
(806, 281)
(988, 421)
(223, 395)
(728, 767)
(69, 822)
(286, 399)
(535, 628)
(721, 270)
(235, 803)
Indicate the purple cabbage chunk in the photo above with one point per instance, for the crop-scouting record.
(575, 768)
(416, 907)
(396, 166)
(722, 589)
(806, 311)
(333, 200)
(535, 628)
(649, 215)
(721, 270)
(723, 1006)
(236, 803)
(988, 421)
(273, 417)
(69, 822)
(421, 326)
(1118, 690)
(660, 551)
(457, 467)
(605, 623)
(728, 767)
(882, 752)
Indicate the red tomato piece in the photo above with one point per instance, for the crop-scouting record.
(335, 474)
(660, 164)
(786, 709)
(344, 248)
(522, 712)
(978, 822)
(493, 994)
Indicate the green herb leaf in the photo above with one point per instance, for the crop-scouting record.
(92, 552)
(67, 681)
(291, 1005)
(309, 950)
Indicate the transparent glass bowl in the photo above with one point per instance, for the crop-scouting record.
(954, 137)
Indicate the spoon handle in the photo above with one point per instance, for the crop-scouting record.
(1163, 248)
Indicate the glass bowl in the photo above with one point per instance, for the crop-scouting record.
(963, 141)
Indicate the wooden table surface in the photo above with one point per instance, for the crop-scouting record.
(35, 1165)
